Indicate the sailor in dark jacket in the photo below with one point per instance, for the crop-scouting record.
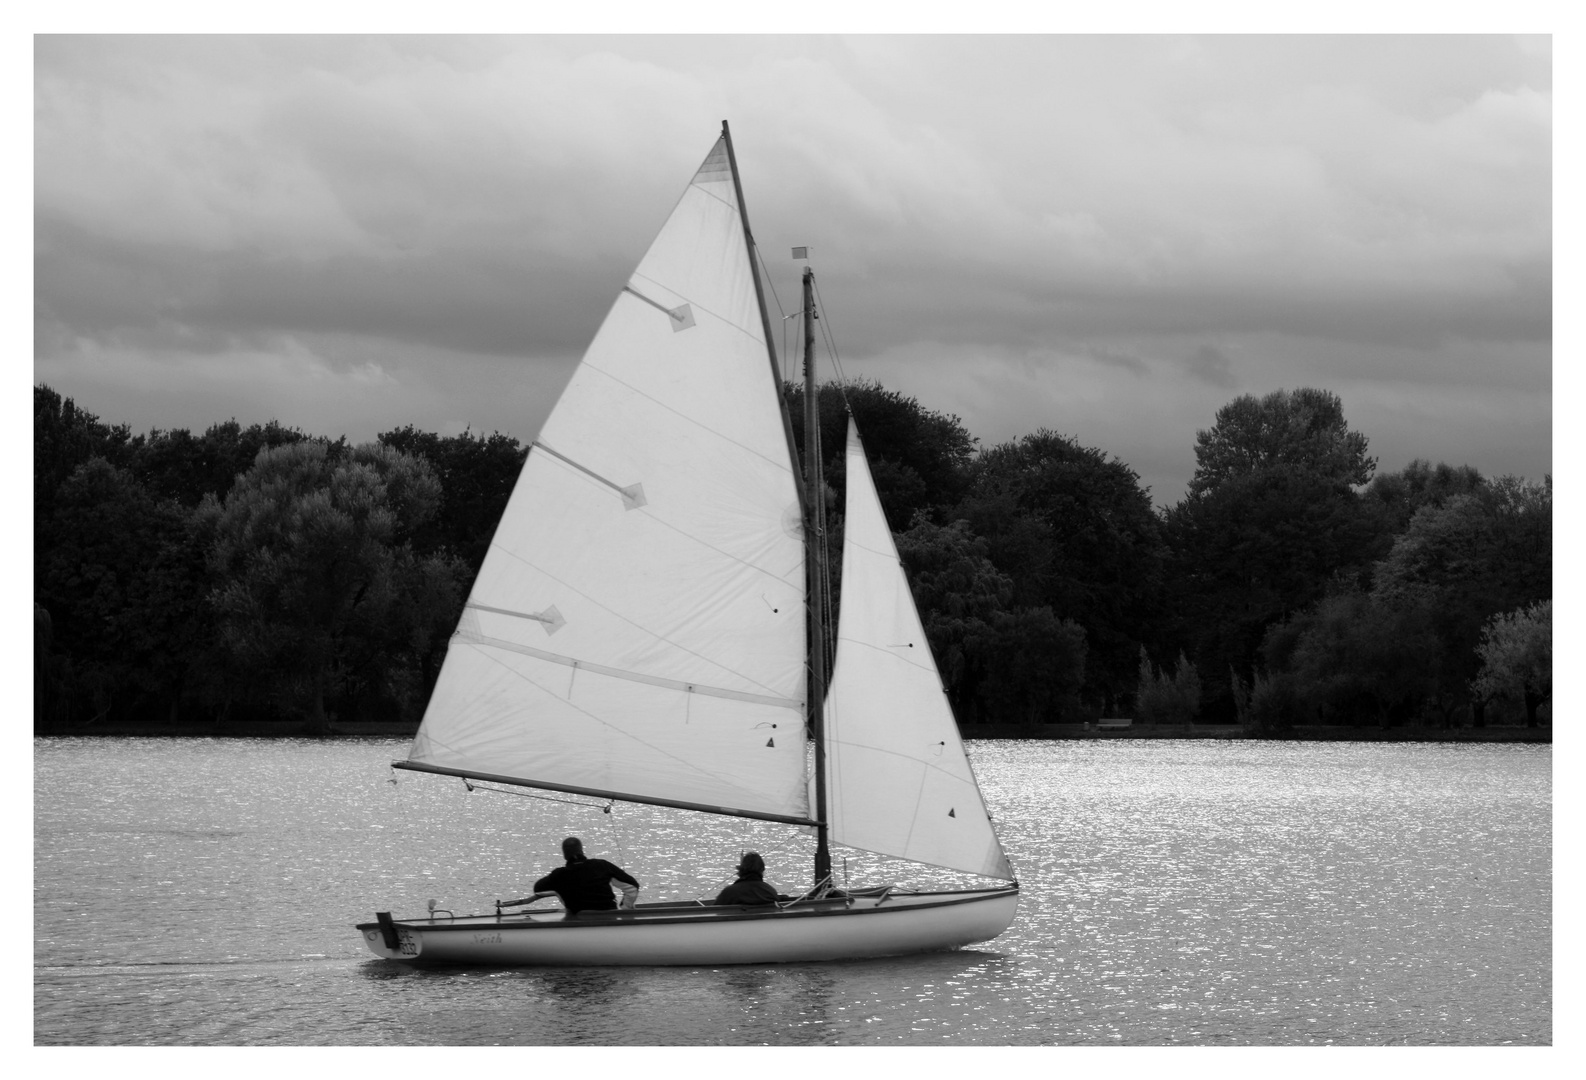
(750, 888)
(585, 884)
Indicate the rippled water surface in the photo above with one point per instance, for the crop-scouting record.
(1174, 892)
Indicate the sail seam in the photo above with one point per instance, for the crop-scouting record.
(914, 818)
(687, 300)
(661, 521)
(924, 862)
(712, 195)
(836, 748)
(630, 736)
(917, 761)
(599, 793)
(896, 656)
(644, 629)
(890, 558)
(630, 676)
(783, 466)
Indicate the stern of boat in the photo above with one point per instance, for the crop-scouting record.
(389, 940)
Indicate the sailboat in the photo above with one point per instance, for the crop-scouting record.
(647, 627)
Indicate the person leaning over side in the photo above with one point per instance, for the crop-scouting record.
(751, 886)
(585, 884)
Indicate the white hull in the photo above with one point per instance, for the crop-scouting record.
(882, 924)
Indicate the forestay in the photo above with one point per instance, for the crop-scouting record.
(638, 626)
(899, 783)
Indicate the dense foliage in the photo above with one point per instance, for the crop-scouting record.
(265, 574)
(254, 574)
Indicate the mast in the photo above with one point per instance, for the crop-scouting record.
(811, 498)
(815, 559)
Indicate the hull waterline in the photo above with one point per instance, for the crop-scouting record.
(855, 927)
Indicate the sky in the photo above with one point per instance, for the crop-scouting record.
(1106, 236)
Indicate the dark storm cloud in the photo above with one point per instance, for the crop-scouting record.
(1109, 236)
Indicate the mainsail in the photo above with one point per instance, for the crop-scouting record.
(638, 626)
(899, 782)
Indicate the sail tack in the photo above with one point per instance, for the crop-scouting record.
(638, 625)
(899, 783)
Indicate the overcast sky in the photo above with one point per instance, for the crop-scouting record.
(1110, 237)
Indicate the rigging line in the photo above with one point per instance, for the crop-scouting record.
(765, 277)
(829, 640)
(616, 829)
(768, 282)
(831, 342)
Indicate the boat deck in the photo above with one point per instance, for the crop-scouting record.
(669, 911)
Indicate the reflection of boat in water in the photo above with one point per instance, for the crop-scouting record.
(646, 628)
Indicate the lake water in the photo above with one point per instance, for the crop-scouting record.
(202, 892)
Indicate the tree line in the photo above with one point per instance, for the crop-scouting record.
(262, 574)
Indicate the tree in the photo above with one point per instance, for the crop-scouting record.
(959, 594)
(1522, 560)
(119, 581)
(177, 465)
(1304, 428)
(1270, 520)
(1034, 666)
(1161, 698)
(1465, 560)
(999, 663)
(1253, 551)
(65, 437)
(1075, 531)
(1351, 659)
(319, 592)
(47, 689)
(1398, 495)
(1444, 546)
(1516, 654)
(917, 456)
(477, 474)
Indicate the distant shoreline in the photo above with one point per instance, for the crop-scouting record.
(1505, 734)
(1037, 732)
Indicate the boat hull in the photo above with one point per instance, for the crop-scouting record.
(855, 927)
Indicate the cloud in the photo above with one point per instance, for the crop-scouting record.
(1210, 364)
(1025, 230)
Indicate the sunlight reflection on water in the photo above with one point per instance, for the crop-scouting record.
(1194, 892)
